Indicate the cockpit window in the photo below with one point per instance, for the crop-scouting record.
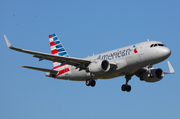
(154, 45)
(161, 45)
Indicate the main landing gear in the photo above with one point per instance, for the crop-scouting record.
(126, 87)
(90, 82)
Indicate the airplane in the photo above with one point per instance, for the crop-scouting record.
(136, 59)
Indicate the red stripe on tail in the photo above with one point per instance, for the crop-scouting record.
(54, 51)
(50, 36)
(52, 43)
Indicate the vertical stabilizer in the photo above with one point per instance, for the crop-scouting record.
(57, 48)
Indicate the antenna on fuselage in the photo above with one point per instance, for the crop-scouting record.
(147, 39)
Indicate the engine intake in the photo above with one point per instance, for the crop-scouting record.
(99, 66)
(154, 76)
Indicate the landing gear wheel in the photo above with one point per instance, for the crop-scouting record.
(150, 75)
(90, 82)
(93, 83)
(126, 88)
(123, 87)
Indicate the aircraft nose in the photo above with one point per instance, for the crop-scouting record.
(166, 52)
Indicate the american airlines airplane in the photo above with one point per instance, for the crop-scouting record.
(127, 61)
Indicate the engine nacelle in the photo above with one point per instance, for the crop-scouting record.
(99, 66)
(153, 76)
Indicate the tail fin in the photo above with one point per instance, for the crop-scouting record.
(57, 48)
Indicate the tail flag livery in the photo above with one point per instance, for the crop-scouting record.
(57, 48)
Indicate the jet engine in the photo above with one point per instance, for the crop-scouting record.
(99, 66)
(152, 75)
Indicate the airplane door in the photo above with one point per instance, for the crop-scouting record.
(141, 48)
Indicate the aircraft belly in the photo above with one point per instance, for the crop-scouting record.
(73, 76)
(114, 74)
(78, 74)
(111, 75)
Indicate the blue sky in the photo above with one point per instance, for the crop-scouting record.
(86, 27)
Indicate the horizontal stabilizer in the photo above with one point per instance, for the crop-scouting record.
(171, 70)
(40, 69)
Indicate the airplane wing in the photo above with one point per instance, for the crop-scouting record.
(64, 60)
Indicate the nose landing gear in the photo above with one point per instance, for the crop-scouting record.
(150, 75)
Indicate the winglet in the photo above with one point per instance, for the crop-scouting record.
(7, 42)
(170, 69)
